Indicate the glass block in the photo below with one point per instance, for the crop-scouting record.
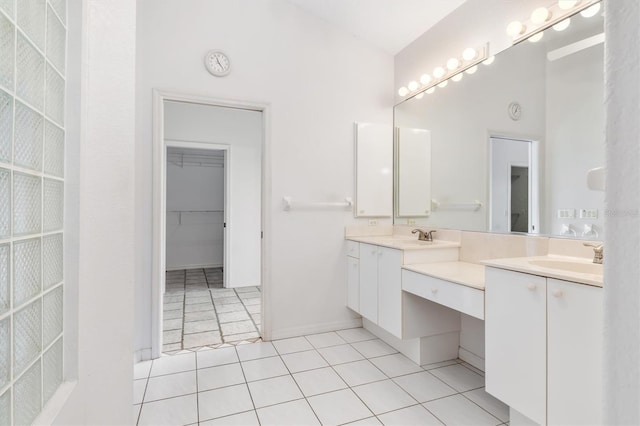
(27, 396)
(30, 73)
(26, 270)
(53, 204)
(7, 52)
(5, 203)
(27, 204)
(52, 361)
(52, 254)
(53, 150)
(6, 126)
(55, 41)
(5, 352)
(31, 19)
(4, 279)
(27, 336)
(52, 316)
(28, 139)
(60, 7)
(55, 96)
(5, 408)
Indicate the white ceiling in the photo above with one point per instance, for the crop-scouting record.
(389, 24)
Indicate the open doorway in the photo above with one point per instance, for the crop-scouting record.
(208, 225)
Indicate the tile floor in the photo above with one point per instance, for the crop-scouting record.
(343, 377)
(199, 312)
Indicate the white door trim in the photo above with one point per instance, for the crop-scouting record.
(159, 206)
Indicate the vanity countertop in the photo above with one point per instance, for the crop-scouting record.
(575, 269)
(402, 242)
(464, 273)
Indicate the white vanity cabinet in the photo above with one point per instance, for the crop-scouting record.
(543, 347)
(353, 276)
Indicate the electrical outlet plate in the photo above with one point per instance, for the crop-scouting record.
(588, 213)
(373, 222)
(566, 213)
(411, 221)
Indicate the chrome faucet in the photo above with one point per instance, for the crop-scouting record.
(598, 252)
(424, 235)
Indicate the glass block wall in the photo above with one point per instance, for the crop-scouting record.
(32, 139)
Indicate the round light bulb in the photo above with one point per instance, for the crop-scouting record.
(438, 72)
(472, 70)
(403, 91)
(536, 38)
(453, 64)
(420, 95)
(443, 84)
(430, 90)
(457, 77)
(562, 25)
(489, 60)
(591, 11)
(515, 28)
(425, 79)
(540, 15)
(413, 85)
(567, 4)
(469, 54)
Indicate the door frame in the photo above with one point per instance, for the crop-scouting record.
(159, 207)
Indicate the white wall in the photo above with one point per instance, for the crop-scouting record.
(241, 130)
(318, 80)
(195, 239)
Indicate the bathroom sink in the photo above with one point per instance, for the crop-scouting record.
(582, 267)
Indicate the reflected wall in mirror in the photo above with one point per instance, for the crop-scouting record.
(374, 165)
(545, 102)
(413, 154)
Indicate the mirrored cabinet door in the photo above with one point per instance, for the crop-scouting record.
(374, 165)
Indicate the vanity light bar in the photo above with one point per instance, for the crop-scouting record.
(454, 66)
(540, 21)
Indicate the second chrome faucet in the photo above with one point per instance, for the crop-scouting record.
(424, 235)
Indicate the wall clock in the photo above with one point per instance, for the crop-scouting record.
(515, 111)
(217, 63)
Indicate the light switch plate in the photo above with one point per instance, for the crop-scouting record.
(588, 213)
(566, 213)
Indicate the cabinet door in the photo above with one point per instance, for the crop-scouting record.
(574, 317)
(390, 290)
(516, 341)
(353, 284)
(369, 282)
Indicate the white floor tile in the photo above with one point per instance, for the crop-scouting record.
(173, 364)
(255, 351)
(170, 386)
(136, 413)
(359, 372)
(457, 410)
(373, 348)
(458, 377)
(274, 391)
(301, 361)
(138, 390)
(295, 344)
(174, 411)
(416, 415)
(224, 402)
(352, 335)
(424, 386)
(440, 364)
(220, 376)
(396, 365)
(340, 354)
(384, 396)
(371, 421)
(318, 381)
(141, 370)
(494, 406)
(248, 418)
(339, 407)
(264, 368)
(325, 339)
(295, 413)
(213, 357)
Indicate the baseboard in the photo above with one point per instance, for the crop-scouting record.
(196, 266)
(315, 329)
(471, 358)
(142, 355)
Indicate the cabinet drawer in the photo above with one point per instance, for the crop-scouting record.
(353, 249)
(455, 296)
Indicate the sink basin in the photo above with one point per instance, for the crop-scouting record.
(583, 267)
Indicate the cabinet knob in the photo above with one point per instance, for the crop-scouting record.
(557, 293)
(531, 286)
(434, 290)
(374, 251)
(379, 253)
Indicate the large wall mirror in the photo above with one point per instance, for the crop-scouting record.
(511, 144)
